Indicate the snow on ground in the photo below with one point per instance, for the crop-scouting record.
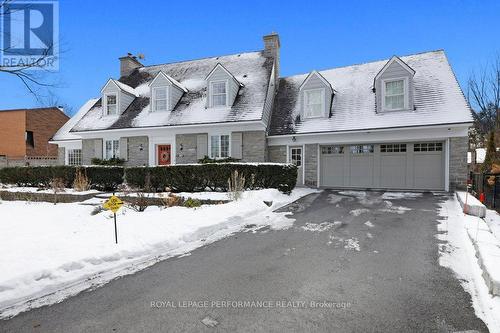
(357, 194)
(352, 244)
(320, 227)
(493, 220)
(459, 255)
(50, 252)
(38, 190)
(359, 211)
(400, 195)
(369, 224)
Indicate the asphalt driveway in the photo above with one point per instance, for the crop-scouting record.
(350, 263)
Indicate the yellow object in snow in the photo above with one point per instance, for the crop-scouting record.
(113, 204)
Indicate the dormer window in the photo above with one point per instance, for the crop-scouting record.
(314, 103)
(160, 98)
(218, 90)
(111, 104)
(395, 94)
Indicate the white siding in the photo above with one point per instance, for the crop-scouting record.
(232, 87)
(174, 92)
(395, 70)
(315, 82)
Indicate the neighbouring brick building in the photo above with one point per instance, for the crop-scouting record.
(25, 133)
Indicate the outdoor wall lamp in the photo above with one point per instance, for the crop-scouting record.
(181, 147)
(294, 138)
(141, 147)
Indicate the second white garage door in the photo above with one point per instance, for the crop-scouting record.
(417, 166)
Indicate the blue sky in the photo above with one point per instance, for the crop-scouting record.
(314, 35)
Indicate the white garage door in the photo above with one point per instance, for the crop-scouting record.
(418, 165)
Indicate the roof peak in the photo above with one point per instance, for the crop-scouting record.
(366, 63)
(202, 58)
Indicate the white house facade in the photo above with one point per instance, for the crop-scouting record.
(399, 123)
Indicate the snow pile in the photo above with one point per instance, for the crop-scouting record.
(470, 204)
(65, 249)
(369, 224)
(352, 244)
(400, 195)
(319, 227)
(359, 211)
(390, 208)
(459, 254)
(493, 220)
(19, 189)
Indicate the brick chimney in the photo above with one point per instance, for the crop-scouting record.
(128, 63)
(272, 49)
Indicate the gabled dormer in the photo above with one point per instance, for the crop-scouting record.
(222, 87)
(393, 86)
(315, 96)
(165, 92)
(116, 97)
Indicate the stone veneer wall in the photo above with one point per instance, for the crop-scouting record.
(458, 162)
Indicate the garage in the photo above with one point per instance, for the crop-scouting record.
(415, 165)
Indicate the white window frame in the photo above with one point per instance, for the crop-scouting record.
(218, 157)
(79, 159)
(154, 100)
(211, 83)
(117, 95)
(301, 156)
(306, 100)
(105, 152)
(405, 92)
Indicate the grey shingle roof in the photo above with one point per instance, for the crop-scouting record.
(438, 99)
(252, 69)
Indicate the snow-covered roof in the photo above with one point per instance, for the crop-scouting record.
(125, 88)
(63, 133)
(438, 99)
(251, 69)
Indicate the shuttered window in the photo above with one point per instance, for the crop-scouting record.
(219, 146)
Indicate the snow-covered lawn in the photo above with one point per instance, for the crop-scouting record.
(459, 254)
(49, 252)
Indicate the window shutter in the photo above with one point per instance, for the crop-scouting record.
(201, 146)
(124, 148)
(98, 148)
(236, 145)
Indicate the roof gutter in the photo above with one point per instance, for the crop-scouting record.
(384, 129)
(172, 127)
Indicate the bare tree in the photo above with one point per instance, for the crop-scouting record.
(33, 73)
(483, 95)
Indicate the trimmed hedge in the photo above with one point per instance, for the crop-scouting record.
(214, 176)
(100, 178)
(179, 178)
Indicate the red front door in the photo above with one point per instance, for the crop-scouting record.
(164, 154)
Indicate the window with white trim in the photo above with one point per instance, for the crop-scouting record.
(160, 98)
(74, 157)
(393, 148)
(219, 146)
(296, 156)
(361, 149)
(112, 149)
(111, 104)
(218, 93)
(394, 94)
(329, 150)
(428, 146)
(314, 103)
